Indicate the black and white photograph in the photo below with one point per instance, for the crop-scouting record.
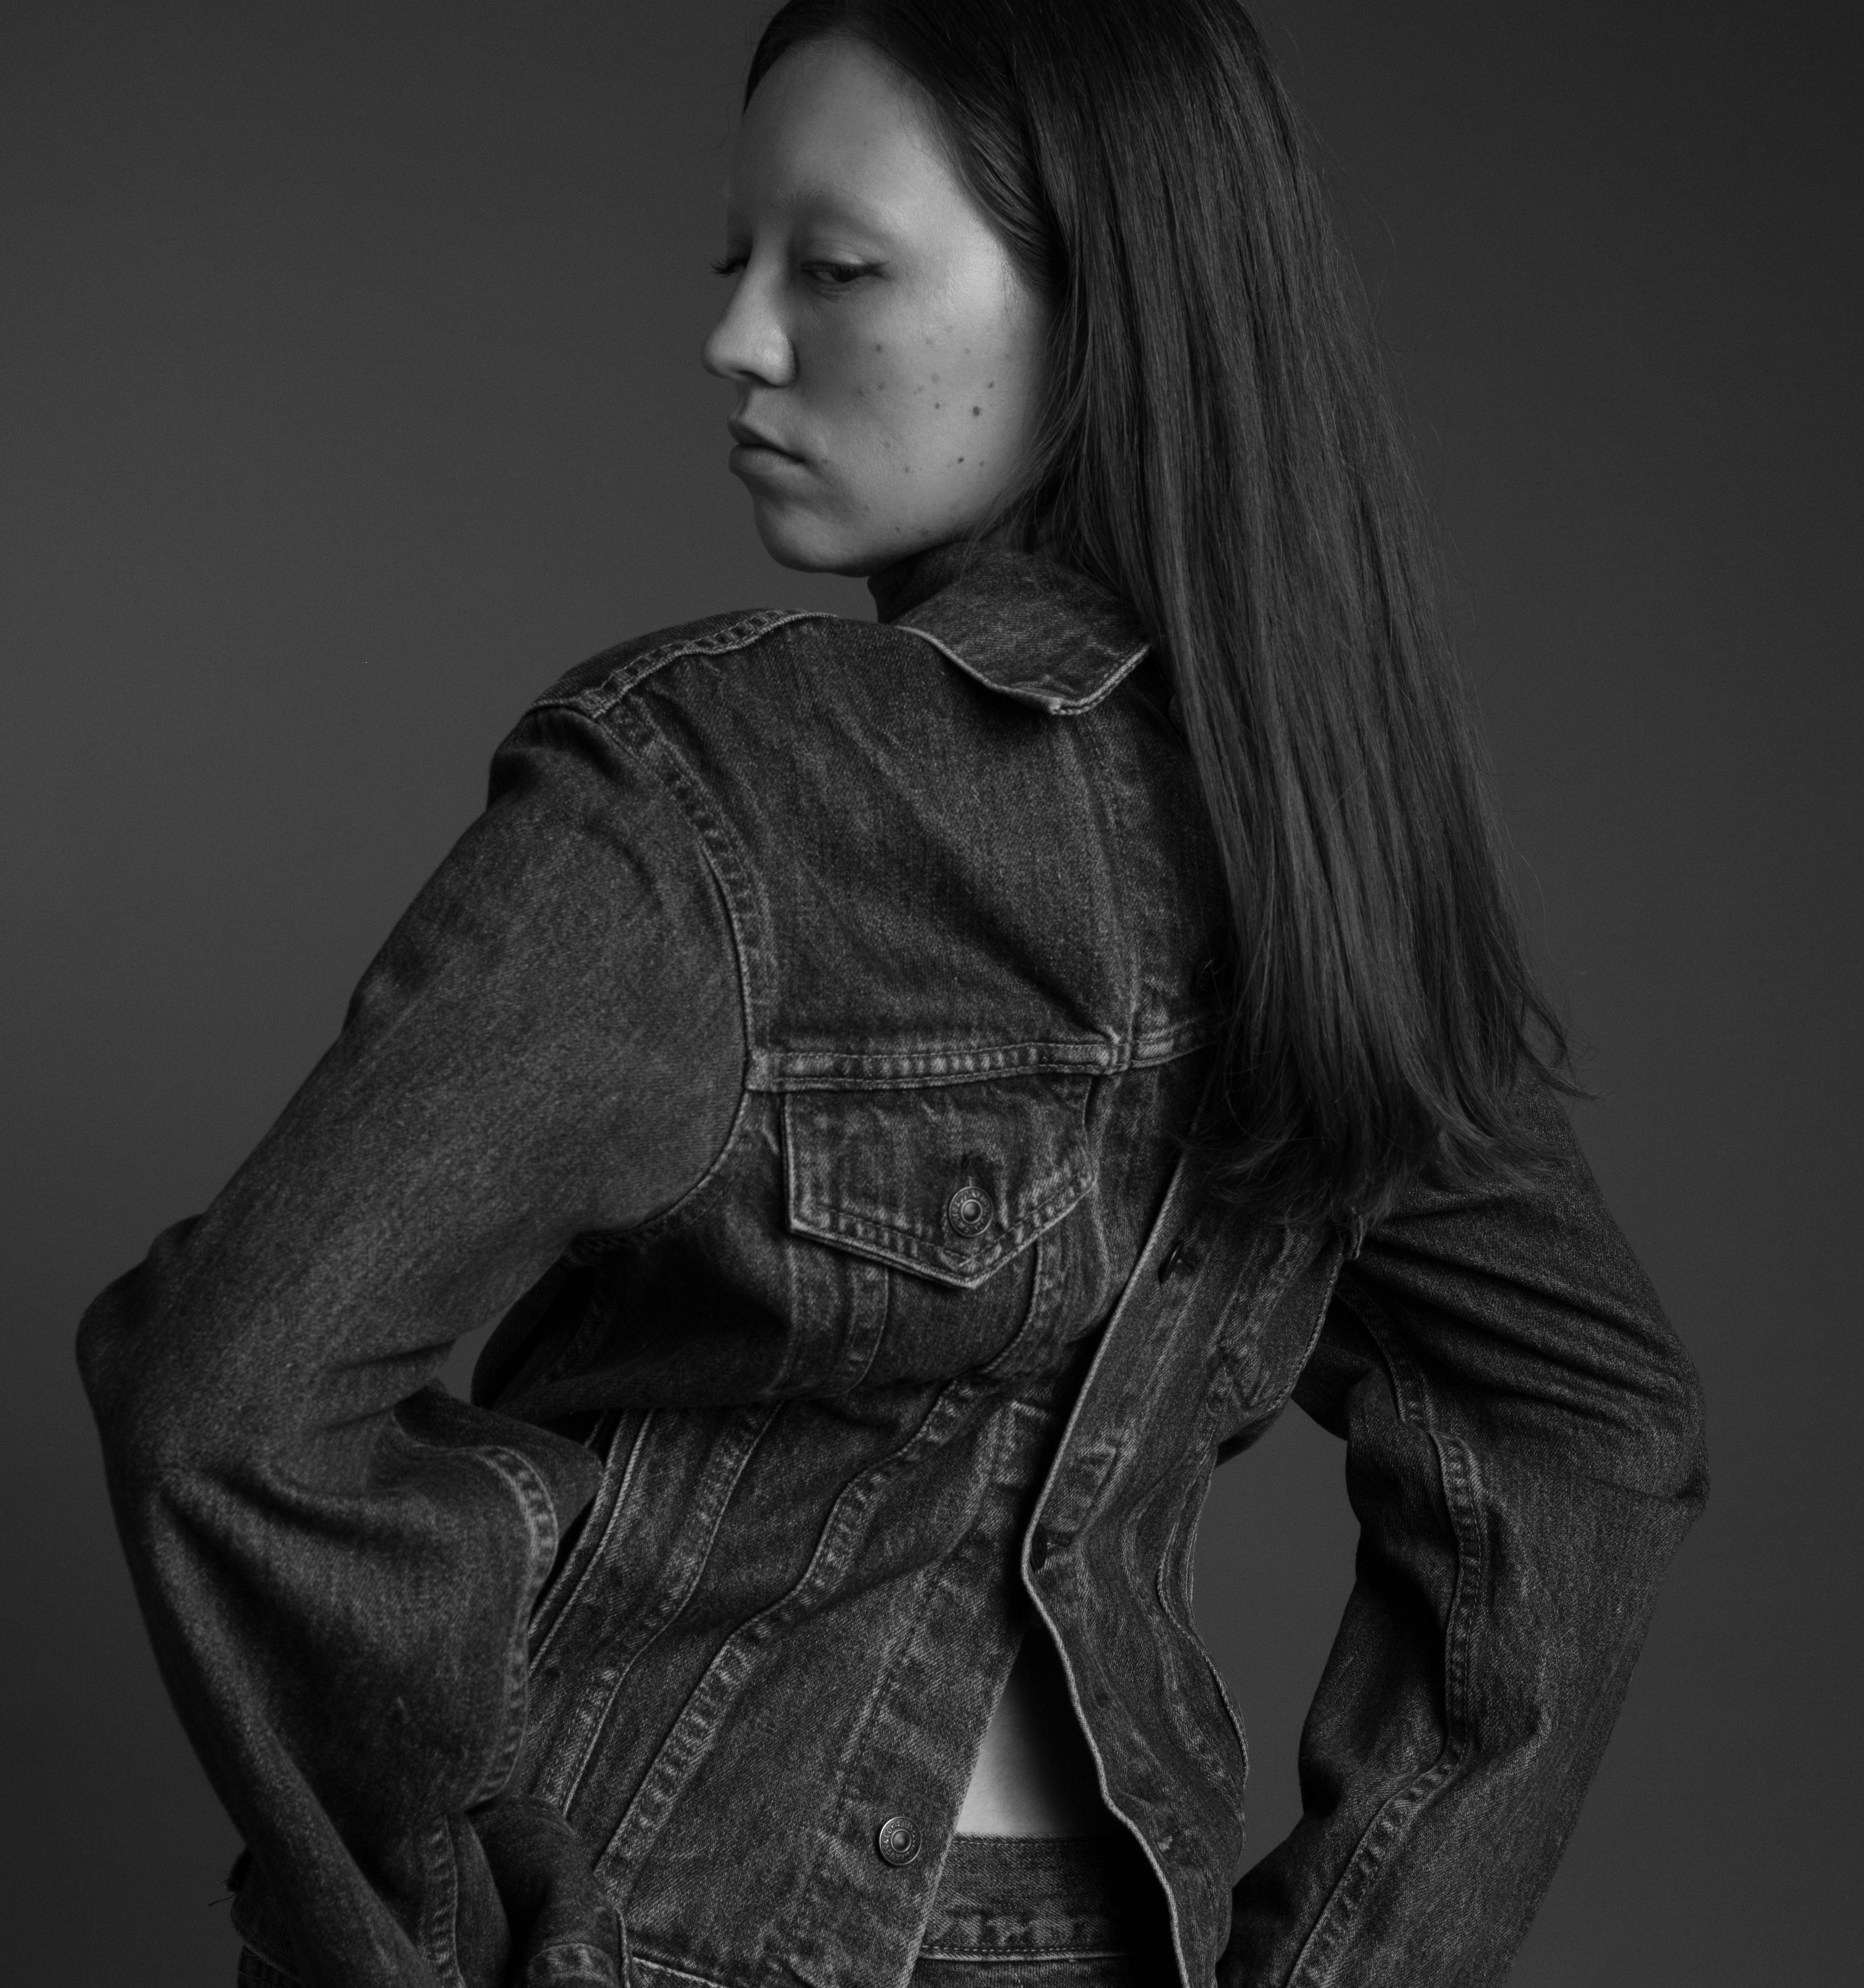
(931, 993)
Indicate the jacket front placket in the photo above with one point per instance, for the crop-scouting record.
(1198, 1299)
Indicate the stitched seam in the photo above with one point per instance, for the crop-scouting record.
(1255, 1411)
(598, 1248)
(1056, 704)
(834, 1552)
(1183, 1544)
(634, 731)
(910, 1248)
(963, 1392)
(927, 1068)
(1029, 1957)
(855, 1363)
(438, 1930)
(932, 1064)
(1386, 1832)
(1044, 1286)
(539, 1510)
(725, 857)
(1165, 1224)
(596, 700)
(642, 756)
(1190, 1727)
(564, 1607)
(1099, 787)
(911, 1245)
(667, 1967)
(1180, 1039)
(585, 1724)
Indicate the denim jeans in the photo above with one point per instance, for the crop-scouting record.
(796, 1055)
(1070, 1912)
(1013, 1912)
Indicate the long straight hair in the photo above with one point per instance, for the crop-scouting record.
(1220, 448)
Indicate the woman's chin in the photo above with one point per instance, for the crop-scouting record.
(808, 544)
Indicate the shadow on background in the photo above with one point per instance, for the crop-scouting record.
(351, 394)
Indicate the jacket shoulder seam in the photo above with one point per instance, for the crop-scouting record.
(722, 637)
(634, 735)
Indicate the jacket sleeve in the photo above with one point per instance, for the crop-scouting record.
(336, 1558)
(1525, 1452)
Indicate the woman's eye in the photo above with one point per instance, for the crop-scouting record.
(728, 266)
(837, 275)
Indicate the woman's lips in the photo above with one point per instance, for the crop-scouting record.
(747, 436)
(761, 459)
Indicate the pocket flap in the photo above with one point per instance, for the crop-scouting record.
(949, 1182)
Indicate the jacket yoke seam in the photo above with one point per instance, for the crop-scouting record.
(935, 1064)
(612, 705)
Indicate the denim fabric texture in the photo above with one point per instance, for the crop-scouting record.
(1046, 1912)
(794, 1056)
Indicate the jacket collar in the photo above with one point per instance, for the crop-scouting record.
(1017, 623)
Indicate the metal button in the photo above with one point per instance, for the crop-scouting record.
(969, 1211)
(898, 1839)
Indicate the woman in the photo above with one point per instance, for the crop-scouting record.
(919, 1093)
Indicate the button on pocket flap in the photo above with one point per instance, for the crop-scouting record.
(949, 1181)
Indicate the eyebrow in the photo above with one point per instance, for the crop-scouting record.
(833, 204)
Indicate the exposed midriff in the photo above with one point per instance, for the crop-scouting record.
(1035, 1774)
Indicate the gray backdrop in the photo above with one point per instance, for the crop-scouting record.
(349, 378)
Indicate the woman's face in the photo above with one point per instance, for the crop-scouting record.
(888, 356)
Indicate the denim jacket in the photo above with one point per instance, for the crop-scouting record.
(795, 1056)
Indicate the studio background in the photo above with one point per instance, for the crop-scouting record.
(349, 392)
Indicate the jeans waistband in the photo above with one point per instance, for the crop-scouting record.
(1000, 1897)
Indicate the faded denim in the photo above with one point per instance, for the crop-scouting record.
(795, 1055)
(1080, 1912)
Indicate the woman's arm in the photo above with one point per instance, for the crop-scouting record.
(1525, 1452)
(335, 1559)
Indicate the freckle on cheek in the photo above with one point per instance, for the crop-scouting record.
(975, 412)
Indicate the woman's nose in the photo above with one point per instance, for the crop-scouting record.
(749, 342)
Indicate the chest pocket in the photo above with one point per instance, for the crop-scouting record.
(947, 1187)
